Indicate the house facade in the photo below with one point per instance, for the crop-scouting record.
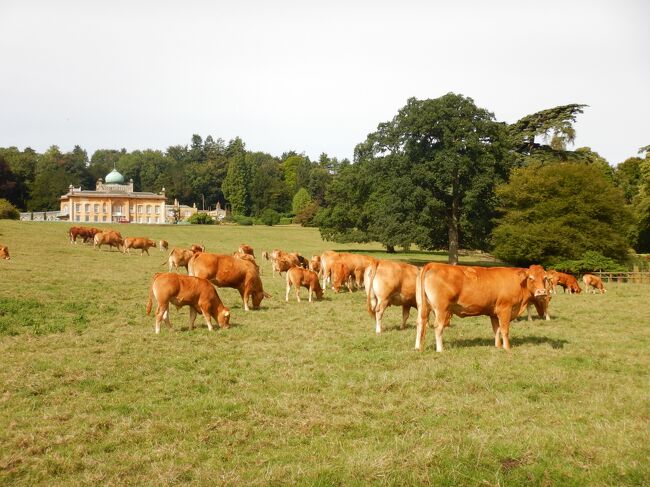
(113, 201)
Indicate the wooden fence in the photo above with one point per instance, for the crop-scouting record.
(621, 277)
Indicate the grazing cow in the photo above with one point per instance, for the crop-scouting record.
(314, 264)
(297, 276)
(246, 249)
(163, 245)
(501, 293)
(178, 258)
(227, 271)
(567, 281)
(282, 261)
(197, 248)
(592, 283)
(4, 252)
(355, 263)
(110, 238)
(340, 274)
(181, 291)
(390, 283)
(142, 243)
(540, 303)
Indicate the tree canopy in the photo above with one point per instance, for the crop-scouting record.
(553, 213)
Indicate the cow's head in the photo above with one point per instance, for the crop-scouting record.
(4, 252)
(318, 290)
(222, 316)
(534, 279)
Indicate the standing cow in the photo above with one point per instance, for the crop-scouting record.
(142, 243)
(299, 277)
(501, 293)
(390, 283)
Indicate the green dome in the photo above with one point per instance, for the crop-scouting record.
(114, 177)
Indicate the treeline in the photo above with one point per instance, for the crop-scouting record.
(205, 172)
(443, 173)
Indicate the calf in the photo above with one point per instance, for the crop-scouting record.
(297, 276)
(144, 244)
(314, 264)
(390, 283)
(181, 291)
(163, 245)
(4, 252)
(197, 248)
(592, 283)
(355, 263)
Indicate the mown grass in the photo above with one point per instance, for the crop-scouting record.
(300, 393)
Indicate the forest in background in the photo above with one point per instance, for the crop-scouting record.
(442, 173)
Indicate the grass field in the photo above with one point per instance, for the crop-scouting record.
(302, 393)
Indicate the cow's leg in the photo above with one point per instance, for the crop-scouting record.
(161, 310)
(207, 317)
(496, 330)
(405, 316)
(379, 314)
(504, 325)
(166, 318)
(286, 298)
(192, 317)
(244, 297)
(311, 290)
(442, 320)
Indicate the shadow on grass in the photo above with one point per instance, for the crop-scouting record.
(516, 341)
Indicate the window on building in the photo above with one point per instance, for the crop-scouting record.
(104, 218)
(96, 208)
(157, 211)
(132, 209)
(87, 208)
(139, 208)
(104, 208)
(86, 218)
(117, 209)
(148, 209)
(77, 207)
(95, 218)
(76, 217)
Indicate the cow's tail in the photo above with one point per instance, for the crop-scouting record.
(150, 302)
(423, 304)
(370, 293)
(167, 260)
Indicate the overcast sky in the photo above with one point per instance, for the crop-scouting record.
(312, 76)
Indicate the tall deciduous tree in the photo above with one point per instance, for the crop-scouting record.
(449, 153)
(236, 185)
(558, 212)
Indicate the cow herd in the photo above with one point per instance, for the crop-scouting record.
(501, 293)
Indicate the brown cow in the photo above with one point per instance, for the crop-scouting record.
(355, 263)
(227, 271)
(163, 245)
(246, 249)
(142, 243)
(181, 291)
(247, 257)
(108, 237)
(501, 293)
(282, 261)
(86, 233)
(297, 276)
(340, 274)
(314, 264)
(567, 281)
(178, 258)
(4, 252)
(197, 248)
(593, 282)
(390, 283)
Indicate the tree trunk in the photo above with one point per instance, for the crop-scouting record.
(390, 249)
(453, 231)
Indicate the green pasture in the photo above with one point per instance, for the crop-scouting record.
(303, 393)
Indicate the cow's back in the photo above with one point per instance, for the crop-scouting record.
(222, 269)
(395, 281)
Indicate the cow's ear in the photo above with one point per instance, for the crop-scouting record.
(523, 277)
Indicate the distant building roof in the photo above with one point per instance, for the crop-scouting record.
(114, 177)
